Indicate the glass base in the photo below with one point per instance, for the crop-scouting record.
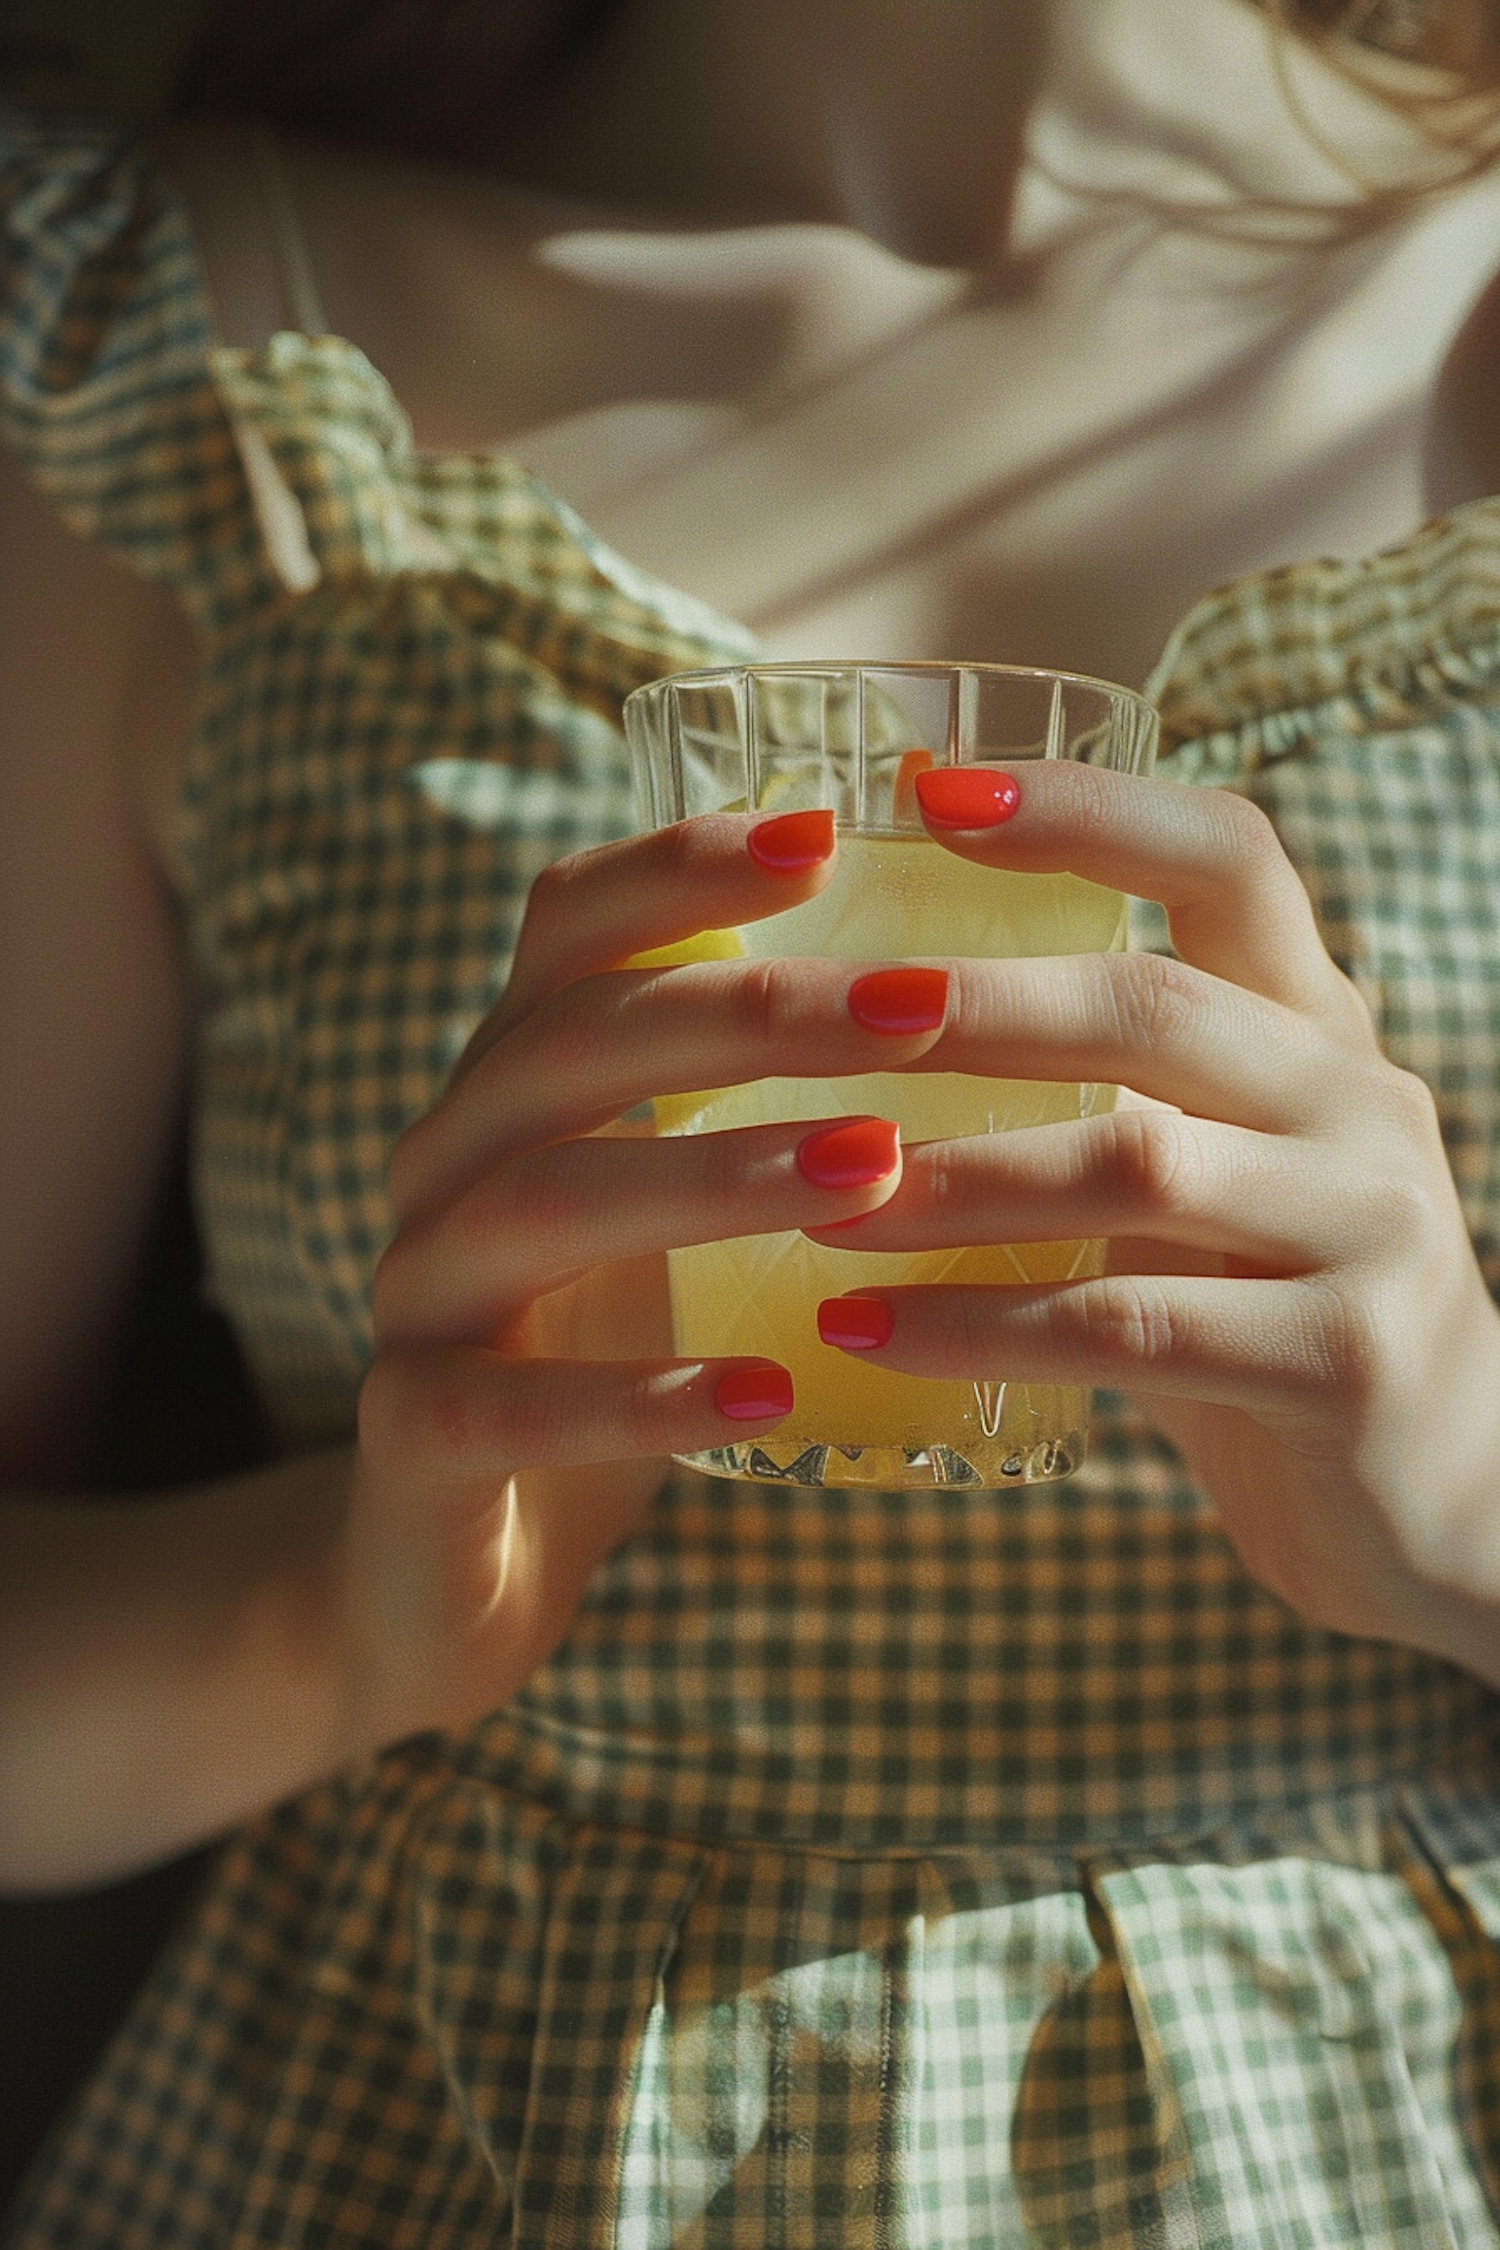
(989, 1465)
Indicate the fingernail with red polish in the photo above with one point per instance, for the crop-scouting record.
(754, 1394)
(850, 1156)
(900, 1000)
(855, 1324)
(966, 796)
(791, 842)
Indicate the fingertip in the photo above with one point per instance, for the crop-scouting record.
(856, 1324)
(900, 1003)
(856, 1153)
(760, 1392)
(960, 799)
(792, 843)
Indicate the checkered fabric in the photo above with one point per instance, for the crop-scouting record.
(959, 1870)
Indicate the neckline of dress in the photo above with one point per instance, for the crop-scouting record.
(1317, 587)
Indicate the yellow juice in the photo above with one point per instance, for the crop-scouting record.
(896, 899)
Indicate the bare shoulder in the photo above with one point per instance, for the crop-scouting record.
(440, 273)
(92, 1006)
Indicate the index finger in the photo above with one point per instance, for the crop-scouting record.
(595, 909)
(1236, 906)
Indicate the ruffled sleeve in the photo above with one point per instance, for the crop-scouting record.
(346, 503)
(1341, 650)
(105, 393)
(1357, 702)
(253, 479)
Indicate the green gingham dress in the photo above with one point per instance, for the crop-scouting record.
(961, 1870)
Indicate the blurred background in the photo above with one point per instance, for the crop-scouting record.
(120, 57)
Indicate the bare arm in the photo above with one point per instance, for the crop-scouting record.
(92, 1000)
(169, 1667)
(166, 1668)
(158, 1674)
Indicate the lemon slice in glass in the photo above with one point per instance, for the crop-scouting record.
(707, 945)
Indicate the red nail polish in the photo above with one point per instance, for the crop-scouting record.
(754, 1394)
(855, 1324)
(849, 1156)
(790, 842)
(900, 1000)
(966, 796)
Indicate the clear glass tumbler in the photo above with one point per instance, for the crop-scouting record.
(851, 737)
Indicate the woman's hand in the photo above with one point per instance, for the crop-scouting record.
(1323, 1350)
(523, 1389)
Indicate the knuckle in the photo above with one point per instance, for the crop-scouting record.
(1157, 1161)
(1245, 832)
(1129, 1324)
(1092, 803)
(1401, 1212)
(767, 997)
(1155, 998)
(1404, 1182)
(1342, 1353)
(1353, 1006)
(548, 903)
(1410, 1104)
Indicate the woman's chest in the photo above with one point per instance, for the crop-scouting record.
(1048, 464)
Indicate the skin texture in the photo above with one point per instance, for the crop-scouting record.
(1325, 1317)
(878, 277)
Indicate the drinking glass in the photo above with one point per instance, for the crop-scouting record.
(776, 738)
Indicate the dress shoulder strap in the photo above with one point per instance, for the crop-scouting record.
(298, 281)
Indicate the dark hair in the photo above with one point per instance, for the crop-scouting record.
(428, 76)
